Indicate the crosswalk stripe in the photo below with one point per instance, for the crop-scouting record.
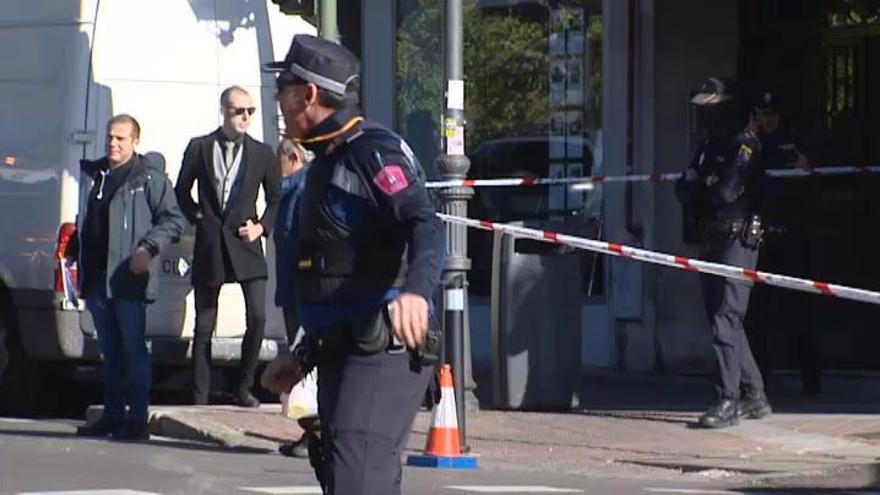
(511, 489)
(283, 490)
(113, 491)
(691, 491)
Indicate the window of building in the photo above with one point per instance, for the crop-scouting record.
(533, 104)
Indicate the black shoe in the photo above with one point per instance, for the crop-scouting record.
(299, 448)
(310, 423)
(754, 407)
(722, 414)
(132, 431)
(244, 398)
(100, 428)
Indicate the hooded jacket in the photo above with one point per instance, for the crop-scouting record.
(143, 213)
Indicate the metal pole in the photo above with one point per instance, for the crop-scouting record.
(327, 20)
(453, 164)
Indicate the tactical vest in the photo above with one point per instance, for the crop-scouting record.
(342, 263)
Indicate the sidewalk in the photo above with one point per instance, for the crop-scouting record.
(630, 426)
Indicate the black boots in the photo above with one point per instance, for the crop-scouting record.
(130, 430)
(754, 406)
(244, 398)
(722, 414)
(299, 448)
(727, 412)
(100, 428)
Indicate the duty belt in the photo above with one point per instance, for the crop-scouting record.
(723, 226)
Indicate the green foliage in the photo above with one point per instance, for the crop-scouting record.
(505, 67)
(854, 12)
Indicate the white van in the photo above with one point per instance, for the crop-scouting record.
(66, 67)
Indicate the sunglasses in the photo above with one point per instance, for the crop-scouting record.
(240, 111)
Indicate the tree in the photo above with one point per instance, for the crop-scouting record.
(505, 65)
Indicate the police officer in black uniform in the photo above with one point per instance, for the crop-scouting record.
(371, 255)
(789, 251)
(718, 188)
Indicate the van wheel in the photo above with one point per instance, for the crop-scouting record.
(4, 354)
(35, 389)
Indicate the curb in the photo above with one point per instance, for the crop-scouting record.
(844, 477)
(193, 426)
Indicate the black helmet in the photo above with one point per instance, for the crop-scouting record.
(713, 91)
(767, 103)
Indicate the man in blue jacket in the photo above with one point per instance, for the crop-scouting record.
(293, 162)
(130, 216)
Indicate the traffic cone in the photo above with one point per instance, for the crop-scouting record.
(443, 448)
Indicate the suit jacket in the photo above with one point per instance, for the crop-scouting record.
(217, 228)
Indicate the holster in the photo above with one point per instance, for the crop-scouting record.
(752, 233)
(371, 331)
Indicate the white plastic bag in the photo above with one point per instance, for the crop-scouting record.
(302, 401)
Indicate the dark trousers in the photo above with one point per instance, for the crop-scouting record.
(206, 319)
(127, 370)
(367, 404)
(726, 302)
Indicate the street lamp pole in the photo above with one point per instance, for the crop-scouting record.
(327, 20)
(454, 164)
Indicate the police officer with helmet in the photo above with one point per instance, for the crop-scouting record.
(718, 189)
(787, 253)
(371, 252)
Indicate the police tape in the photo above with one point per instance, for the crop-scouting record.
(586, 183)
(682, 263)
(848, 170)
(537, 181)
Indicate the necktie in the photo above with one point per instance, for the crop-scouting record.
(230, 154)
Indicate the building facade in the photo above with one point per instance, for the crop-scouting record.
(580, 87)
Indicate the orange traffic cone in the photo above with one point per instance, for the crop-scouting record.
(443, 448)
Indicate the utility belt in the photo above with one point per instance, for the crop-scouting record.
(333, 272)
(749, 231)
(368, 333)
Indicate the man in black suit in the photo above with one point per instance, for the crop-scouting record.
(230, 166)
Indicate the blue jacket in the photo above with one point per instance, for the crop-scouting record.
(365, 182)
(285, 237)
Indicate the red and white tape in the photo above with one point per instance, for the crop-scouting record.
(682, 263)
(587, 182)
(848, 170)
(536, 181)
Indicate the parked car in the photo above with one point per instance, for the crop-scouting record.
(528, 156)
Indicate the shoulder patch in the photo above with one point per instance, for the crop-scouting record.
(745, 151)
(391, 179)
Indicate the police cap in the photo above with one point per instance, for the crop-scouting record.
(326, 64)
(713, 91)
(767, 103)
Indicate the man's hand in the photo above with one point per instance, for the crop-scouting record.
(250, 231)
(139, 263)
(690, 174)
(282, 373)
(409, 319)
(712, 180)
